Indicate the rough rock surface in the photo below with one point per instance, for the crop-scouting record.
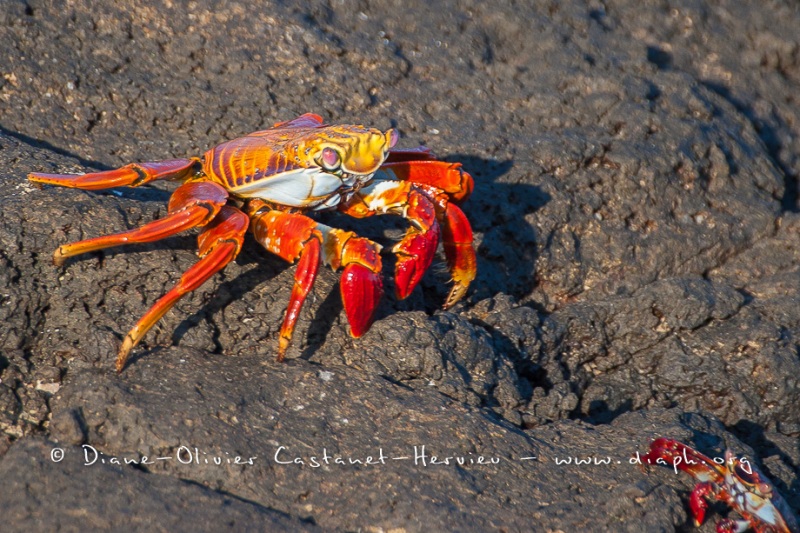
(636, 219)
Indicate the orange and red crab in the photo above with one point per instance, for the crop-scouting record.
(734, 481)
(268, 181)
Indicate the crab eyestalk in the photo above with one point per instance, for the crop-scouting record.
(391, 138)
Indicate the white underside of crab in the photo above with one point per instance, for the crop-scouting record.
(304, 187)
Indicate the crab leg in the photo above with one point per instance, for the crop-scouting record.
(420, 153)
(458, 249)
(218, 245)
(192, 204)
(684, 458)
(361, 285)
(292, 237)
(131, 175)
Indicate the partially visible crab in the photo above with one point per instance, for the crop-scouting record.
(268, 181)
(736, 482)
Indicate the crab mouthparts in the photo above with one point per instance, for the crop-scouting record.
(353, 180)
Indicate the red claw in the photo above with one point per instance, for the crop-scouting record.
(360, 285)
(414, 256)
(698, 503)
(361, 291)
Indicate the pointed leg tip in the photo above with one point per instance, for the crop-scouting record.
(402, 292)
(59, 258)
(414, 256)
(283, 346)
(361, 321)
(408, 273)
(124, 353)
(456, 293)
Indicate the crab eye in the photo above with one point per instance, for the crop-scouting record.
(393, 138)
(330, 159)
(744, 475)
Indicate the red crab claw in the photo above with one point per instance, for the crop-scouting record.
(414, 256)
(445, 184)
(361, 291)
(669, 452)
(415, 251)
(361, 285)
(697, 501)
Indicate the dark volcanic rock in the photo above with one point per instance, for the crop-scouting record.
(40, 495)
(636, 221)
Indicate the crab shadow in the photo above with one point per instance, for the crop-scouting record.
(234, 288)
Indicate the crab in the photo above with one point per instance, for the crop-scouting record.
(736, 482)
(270, 181)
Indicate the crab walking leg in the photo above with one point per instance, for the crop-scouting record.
(458, 249)
(415, 251)
(361, 287)
(218, 245)
(691, 461)
(191, 205)
(131, 175)
(293, 237)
